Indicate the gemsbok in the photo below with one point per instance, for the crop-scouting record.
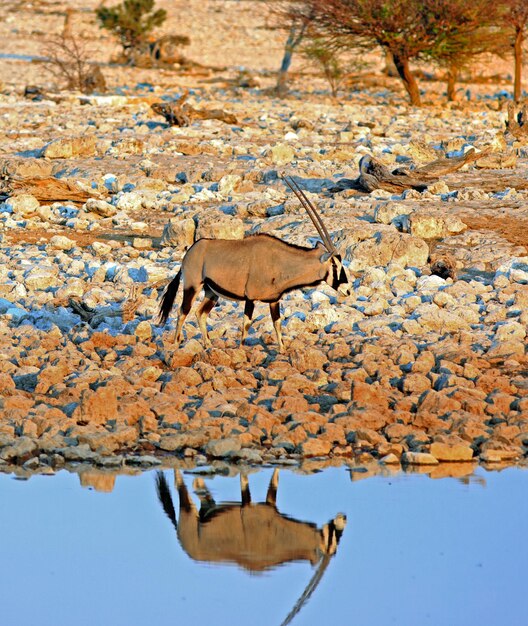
(255, 536)
(257, 268)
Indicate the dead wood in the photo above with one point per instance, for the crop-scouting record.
(181, 113)
(431, 172)
(94, 316)
(49, 190)
(174, 114)
(374, 175)
(517, 122)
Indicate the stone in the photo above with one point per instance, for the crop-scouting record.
(282, 153)
(228, 184)
(365, 395)
(100, 207)
(386, 212)
(97, 406)
(219, 226)
(173, 443)
(428, 225)
(59, 242)
(431, 283)
(448, 452)
(314, 447)
(499, 456)
(80, 453)
(22, 450)
(506, 348)
(141, 243)
(184, 355)
(143, 330)
(390, 459)
(514, 270)
(179, 233)
(129, 145)
(105, 442)
(418, 458)
(248, 455)
(307, 358)
(510, 331)
(26, 167)
(23, 204)
(68, 147)
(145, 460)
(370, 436)
(129, 201)
(416, 383)
(221, 448)
(432, 317)
(101, 249)
(368, 245)
(41, 278)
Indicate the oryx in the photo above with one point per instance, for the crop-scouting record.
(253, 535)
(258, 268)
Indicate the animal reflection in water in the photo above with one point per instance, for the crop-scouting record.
(255, 536)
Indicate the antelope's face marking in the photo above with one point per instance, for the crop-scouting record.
(338, 277)
(331, 534)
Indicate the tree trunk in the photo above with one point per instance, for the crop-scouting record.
(517, 87)
(452, 77)
(282, 79)
(390, 68)
(67, 28)
(408, 79)
(295, 37)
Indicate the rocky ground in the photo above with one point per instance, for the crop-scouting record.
(410, 369)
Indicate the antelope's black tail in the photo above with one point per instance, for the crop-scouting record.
(167, 300)
(165, 498)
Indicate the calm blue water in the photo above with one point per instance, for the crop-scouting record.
(415, 551)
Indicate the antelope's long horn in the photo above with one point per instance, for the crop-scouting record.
(312, 212)
(309, 589)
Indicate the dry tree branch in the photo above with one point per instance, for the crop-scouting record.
(69, 60)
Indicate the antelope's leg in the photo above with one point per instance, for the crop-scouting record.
(185, 501)
(210, 299)
(206, 499)
(275, 316)
(249, 307)
(189, 296)
(271, 497)
(244, 490)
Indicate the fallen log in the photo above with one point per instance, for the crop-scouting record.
(374, 175)
(181, 113)
(49, 190)
(431, 172)
(94, 316)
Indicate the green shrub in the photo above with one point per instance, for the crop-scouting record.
(323, 55)
(131, 21)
